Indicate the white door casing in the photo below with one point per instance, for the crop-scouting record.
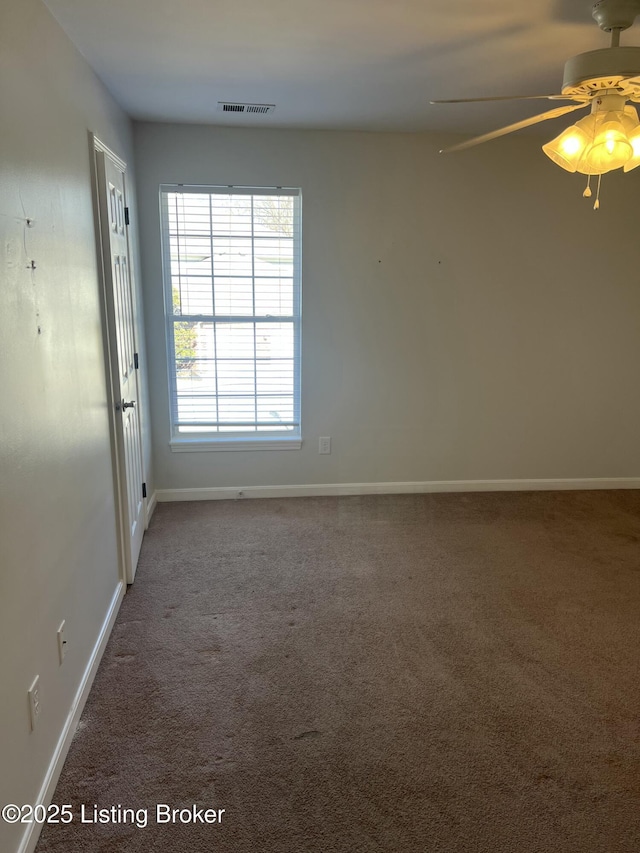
(123, 361)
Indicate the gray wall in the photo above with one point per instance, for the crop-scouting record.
(464, 317)
(57, 519)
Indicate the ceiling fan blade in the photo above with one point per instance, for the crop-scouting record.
(510, 98)
(494, 134)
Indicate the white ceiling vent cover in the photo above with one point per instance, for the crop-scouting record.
(234, 107)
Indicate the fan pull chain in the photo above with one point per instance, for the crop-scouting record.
(587, 189)
(596, 203)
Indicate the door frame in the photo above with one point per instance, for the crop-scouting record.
(111, 353)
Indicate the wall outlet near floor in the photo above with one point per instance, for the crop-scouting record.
(324, 444)
(62, 642)
(34, 702)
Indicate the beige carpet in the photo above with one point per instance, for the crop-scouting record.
(421, 674)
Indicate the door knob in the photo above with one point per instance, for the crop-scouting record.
(124, 405)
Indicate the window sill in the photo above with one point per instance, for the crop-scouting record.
(195, 445)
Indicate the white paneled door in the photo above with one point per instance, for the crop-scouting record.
(123, 357)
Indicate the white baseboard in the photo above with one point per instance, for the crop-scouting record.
(328, 489)
(32, 832)
(152, 503)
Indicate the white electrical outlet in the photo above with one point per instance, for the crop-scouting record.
(34, 701)
(62, 643)
(324, 444)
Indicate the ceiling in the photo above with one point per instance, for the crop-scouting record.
(342, 64)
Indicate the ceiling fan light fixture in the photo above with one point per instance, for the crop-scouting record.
(634, 160)
(567, 149)
(599, 143)
(610, 149)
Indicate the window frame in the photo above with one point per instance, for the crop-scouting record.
(271, 440)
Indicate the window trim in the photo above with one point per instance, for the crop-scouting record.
(211, 441)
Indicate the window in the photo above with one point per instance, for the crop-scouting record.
(232, 305)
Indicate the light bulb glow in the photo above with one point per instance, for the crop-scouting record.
(571, 145)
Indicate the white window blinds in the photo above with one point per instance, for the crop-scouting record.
(232, 297)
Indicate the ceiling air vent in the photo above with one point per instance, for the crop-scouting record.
(232, 107)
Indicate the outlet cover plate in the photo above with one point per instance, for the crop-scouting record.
(62, 643)
(34, 702)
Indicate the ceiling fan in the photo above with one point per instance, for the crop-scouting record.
(604, 80)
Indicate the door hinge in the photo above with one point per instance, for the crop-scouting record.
(126, 216)
(144, 490)
(135, 361)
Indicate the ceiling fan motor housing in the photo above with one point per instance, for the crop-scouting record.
(609, 68)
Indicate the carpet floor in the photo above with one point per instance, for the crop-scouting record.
(414, 673)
